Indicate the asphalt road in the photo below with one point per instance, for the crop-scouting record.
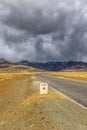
(76, 90)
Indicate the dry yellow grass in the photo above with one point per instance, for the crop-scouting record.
(36, 97)
(4, 76)
(73, 74)
(23, 108)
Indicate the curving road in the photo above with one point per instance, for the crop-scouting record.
(76, 90)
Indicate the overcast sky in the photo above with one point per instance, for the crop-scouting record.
(43, 30)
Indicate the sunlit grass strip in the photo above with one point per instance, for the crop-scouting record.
(77, 75)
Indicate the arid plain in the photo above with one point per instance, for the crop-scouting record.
(23, 108)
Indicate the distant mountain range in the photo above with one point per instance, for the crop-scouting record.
(49, 66)
(56, 66)
(7, 66)
(2, 61)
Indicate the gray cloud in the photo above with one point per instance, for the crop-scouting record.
(43, 30)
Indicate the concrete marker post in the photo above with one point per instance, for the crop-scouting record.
(43, 88)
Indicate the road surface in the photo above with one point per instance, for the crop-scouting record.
(76, 90)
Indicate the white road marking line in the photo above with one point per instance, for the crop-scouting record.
(69, 98)
(66, 96)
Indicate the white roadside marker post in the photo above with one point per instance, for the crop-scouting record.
(43, 88)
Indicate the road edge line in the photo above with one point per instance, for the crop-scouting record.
(68, 98)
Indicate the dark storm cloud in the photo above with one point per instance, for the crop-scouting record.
(43, 30)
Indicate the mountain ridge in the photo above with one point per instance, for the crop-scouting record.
(48, 66)
(56, 66)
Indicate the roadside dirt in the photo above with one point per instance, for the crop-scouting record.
(23, 108)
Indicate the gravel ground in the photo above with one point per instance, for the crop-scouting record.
(23, 108)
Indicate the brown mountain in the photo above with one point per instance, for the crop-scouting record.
(37, 66)
(6, 66)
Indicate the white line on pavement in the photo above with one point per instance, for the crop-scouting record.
(69, 98)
